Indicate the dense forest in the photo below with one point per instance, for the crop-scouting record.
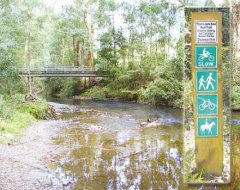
(140, 44)
(131, 41)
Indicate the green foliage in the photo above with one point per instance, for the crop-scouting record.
(196, 177)
(9, 44)
(37, 109)
(97, 93)
(71, 87)
(16, 105)
(63, 87)
(136, 53)
(139, 53)
(140, 63)
(113, 47)
(156, 80)
(236, 97)
(15, 125)
(235, 129)
(15, 114)
(166, 87)
(53, 85)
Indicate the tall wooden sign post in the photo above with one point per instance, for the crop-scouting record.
(207, 115)
(206, 45)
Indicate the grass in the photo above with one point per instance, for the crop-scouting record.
(196, 177)
(16, 115)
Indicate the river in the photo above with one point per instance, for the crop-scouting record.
(105, 147)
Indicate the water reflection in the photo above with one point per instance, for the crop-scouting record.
(133, 159)
(120, 156)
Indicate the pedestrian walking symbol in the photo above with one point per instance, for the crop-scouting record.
(206, 81)
(207, 127)
(207, 104)
(206, 57)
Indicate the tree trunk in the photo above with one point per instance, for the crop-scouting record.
(28, 60)
(83, 55)
(88, 24)
(80, 63)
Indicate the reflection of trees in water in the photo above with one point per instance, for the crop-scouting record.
(102, 161)
(235, 160)
(99, 161)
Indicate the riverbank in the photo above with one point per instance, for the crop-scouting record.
(24, 163)
(102, 97)
(26, 160)
(16, 115)
(105, 93)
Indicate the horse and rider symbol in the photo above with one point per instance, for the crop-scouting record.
(207, 127)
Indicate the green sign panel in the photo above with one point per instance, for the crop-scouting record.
(207, 104)
(206, 57)
(207, 127)
(206, 81)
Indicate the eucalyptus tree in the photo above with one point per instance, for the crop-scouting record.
(31, 18)
(80, 26)
(31, 22)
(109, 35)
(10, 46)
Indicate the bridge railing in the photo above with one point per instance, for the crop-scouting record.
(54, 69)
(62, 71)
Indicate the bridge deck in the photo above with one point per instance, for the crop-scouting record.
(61, 72)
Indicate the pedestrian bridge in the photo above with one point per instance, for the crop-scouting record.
(61, 71)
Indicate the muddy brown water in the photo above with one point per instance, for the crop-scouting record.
(104, 147)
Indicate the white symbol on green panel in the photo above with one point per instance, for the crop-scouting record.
(207, 127)
(207, 104)
(206, 56)
(206, 81)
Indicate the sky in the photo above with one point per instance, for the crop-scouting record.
(57, 4)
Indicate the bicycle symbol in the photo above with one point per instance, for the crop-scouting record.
(205, 54)
(207, 104)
